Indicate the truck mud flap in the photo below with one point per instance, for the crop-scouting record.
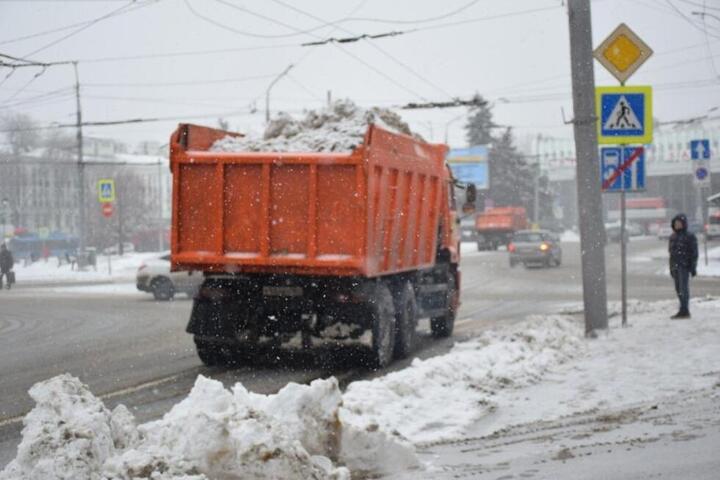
(432, 300)
(210, 319)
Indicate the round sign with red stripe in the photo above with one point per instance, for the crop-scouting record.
(107, 210)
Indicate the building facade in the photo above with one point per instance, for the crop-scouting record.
(40, 189)
(669, 171)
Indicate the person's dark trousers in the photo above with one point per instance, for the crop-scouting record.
(682, 288)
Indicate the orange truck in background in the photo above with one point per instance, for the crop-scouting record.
(306, 245)
(495, 226)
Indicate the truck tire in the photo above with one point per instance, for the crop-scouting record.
(442, 327)
(405, 319)
(162, 289)
(383, 327)
(209, 353)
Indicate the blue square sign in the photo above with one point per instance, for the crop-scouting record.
(700, 149)
(624, 115)
(622, 169)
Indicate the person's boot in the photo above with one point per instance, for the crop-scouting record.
(681, 315)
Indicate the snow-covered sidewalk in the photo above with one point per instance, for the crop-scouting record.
(121, 269)
(541, 369)
(712, 269)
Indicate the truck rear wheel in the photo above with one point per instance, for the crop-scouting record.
(443, 326)
(405, 320)
(383, 327)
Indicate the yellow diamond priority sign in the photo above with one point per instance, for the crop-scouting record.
(622, 52)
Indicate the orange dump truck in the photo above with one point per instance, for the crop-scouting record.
(495, 226)
(350, 245)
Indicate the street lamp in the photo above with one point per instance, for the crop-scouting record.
(452, 120)
(267, 92)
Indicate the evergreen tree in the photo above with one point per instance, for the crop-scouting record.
(511, 178)
(478, 129)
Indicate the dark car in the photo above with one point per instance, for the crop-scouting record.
(535, 247)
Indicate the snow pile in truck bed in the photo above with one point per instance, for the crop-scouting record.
(337, 128)
(212, 434)
(438, 398)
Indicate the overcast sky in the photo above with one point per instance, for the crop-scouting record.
(514, 52)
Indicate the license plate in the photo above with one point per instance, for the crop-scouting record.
(282, 291)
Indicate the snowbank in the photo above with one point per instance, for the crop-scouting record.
(123, 268)
(212, 434)
(569, 236)
(439, 397)
(653, 357)
(337, 128)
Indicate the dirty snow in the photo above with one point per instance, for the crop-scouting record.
(338, 128)
(539, 369)
(214, 433)
(439, 397)
(653, 357)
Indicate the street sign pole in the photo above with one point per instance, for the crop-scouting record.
(623, 260)
(701, 154)
(704, 205)
(592, 232)
(625, 116)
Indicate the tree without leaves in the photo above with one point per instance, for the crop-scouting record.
(20, 132)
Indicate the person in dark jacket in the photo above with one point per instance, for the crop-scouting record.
(6, 264)
(683, 251)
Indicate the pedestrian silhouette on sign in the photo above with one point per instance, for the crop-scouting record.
(622, 116)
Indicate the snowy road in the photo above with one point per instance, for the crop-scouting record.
(130, 349)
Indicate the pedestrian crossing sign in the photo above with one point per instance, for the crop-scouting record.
(106, 190)
(624, 114)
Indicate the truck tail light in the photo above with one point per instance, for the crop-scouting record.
(511, 247)
(142, 267)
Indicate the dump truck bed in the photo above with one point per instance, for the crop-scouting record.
(501, 219)
(370, 212)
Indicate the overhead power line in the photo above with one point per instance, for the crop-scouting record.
(475, 101)
(356, 38)
(688, 20)
(67, 27)
(184, 83)
(124, 9)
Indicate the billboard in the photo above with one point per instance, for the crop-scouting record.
(470, 165)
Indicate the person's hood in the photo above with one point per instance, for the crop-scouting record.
(682, 218)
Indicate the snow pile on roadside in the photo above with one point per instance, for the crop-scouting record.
(654, 357)
(213, 433)
(41, 271)
(439, 397)
(337, 128)
(569, 236)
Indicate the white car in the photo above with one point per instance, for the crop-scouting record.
(154, 276)
(664, 232)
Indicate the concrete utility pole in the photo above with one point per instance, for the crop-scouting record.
(81, 166)
(592, 231)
